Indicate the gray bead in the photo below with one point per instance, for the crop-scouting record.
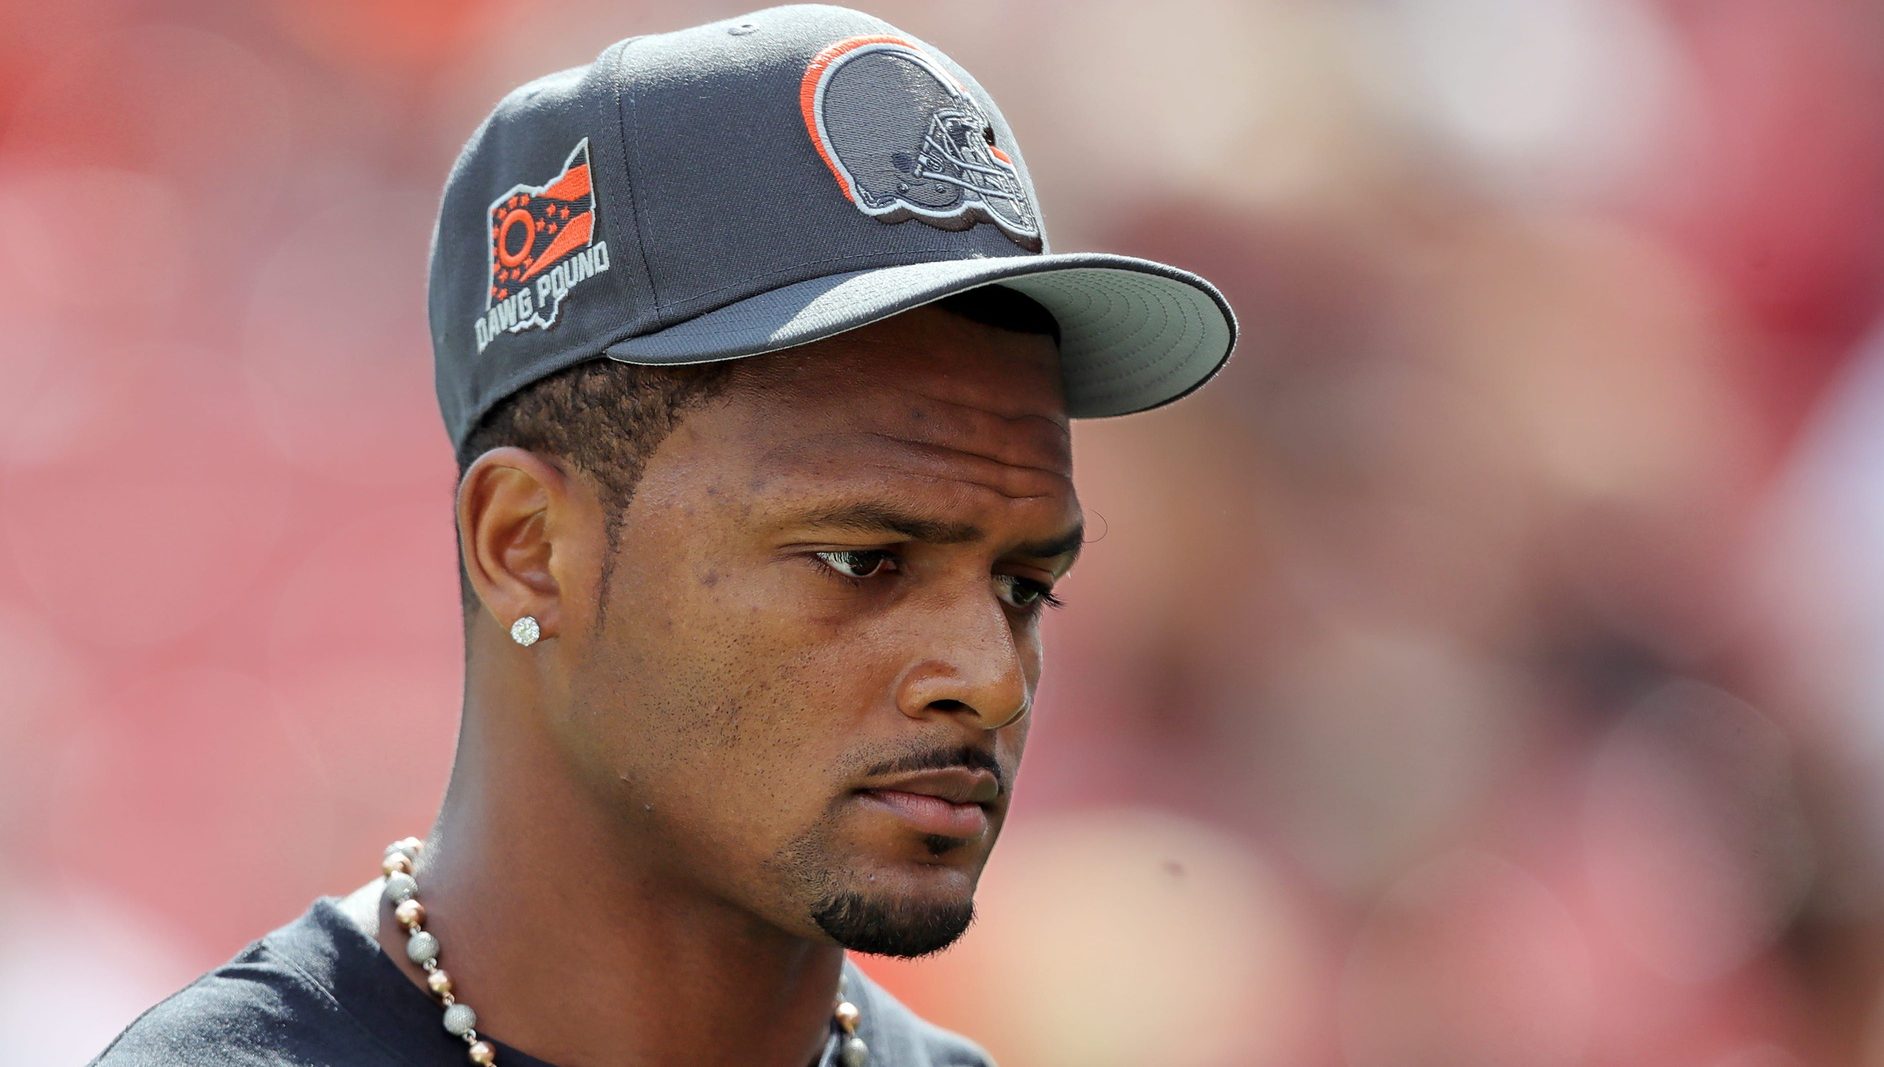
(421, 946)
(400, 888)
(408, 845)
(460, 1018)
(855, 1053)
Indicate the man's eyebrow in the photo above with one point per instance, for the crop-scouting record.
(1067, 544)
(876, 518)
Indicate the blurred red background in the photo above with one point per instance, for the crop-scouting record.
(1485, 670)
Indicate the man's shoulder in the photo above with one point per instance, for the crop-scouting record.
(258, 1008)
(899, 1036)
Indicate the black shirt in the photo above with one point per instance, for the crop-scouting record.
(320, 991)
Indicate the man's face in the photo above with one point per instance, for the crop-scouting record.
(823, 619)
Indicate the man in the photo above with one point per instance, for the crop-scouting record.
(750, 642)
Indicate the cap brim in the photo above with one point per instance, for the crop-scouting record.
(1134, 334)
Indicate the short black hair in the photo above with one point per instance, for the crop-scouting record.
(606, 418)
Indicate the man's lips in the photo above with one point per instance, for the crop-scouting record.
(957, 785)
(930, 815)
(948, 803)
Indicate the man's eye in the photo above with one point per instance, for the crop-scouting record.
(856, 563)
(1025, 594)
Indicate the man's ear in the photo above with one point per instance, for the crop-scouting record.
(512, 506)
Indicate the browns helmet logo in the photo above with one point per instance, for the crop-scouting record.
(542, 244)
(933, 157)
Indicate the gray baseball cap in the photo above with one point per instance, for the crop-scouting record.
(749, 185)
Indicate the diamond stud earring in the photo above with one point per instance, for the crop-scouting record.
(525, 631)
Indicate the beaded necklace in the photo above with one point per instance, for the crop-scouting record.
(422, 948)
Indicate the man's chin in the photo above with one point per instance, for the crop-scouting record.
(884, 925)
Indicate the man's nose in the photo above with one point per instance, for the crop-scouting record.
(968, 663)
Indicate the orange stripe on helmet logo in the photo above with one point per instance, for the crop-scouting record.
(808, 94)
(905, 139)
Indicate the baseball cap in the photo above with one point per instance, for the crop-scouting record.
(758, 183)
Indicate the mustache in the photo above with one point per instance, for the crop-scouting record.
(941, 759)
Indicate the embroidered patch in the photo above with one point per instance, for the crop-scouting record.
(905, 140)
(542, 245)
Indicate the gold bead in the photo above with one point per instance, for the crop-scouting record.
(410, 914)
(440, 983)
(482, 1053)
(396, 863)
(847, 1016)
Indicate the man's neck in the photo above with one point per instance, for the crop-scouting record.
(583, 964)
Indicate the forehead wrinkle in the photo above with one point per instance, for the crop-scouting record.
(958, 481)
(975, 420)
(977, 407)
(949, 466)
(1027, 440)
(803, 465)
(987, 457)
